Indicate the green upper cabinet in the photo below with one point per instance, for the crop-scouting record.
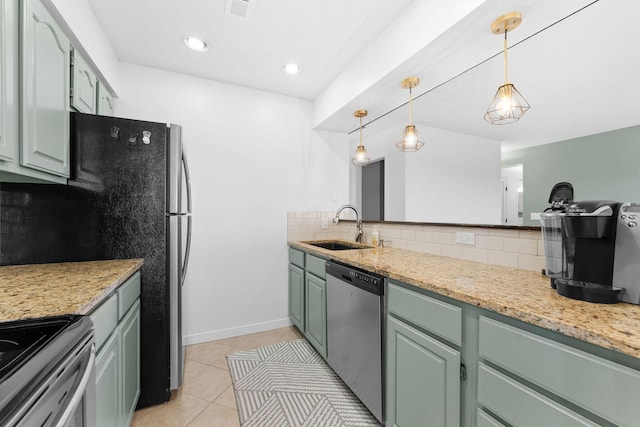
(105, 100)
(84, 85)
(45, 91)
(9, 137)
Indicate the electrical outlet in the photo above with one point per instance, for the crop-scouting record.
(465, 238)
(325, 223)
(535, 216)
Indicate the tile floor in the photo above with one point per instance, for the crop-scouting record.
(206, 396)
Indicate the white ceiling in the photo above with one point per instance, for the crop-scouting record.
(321, 36)
(577, 68)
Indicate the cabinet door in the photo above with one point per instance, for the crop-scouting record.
(130, 350)
(296, 296)
(84, 85)
(108, 394)
(45, 91)
(316, 312)
(105, 101)
(8, 80)
(423, 379)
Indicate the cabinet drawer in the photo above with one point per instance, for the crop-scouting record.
(521, 406)
(440, 318)
(603, 387)
(315, 266)
(105, 320)
(296, 257)
(486, 420)
(128, 293)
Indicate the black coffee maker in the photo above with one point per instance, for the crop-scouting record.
(588, 246)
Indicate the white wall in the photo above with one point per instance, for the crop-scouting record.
(253, 157)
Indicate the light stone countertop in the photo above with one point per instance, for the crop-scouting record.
(40, 290)
(520, 294)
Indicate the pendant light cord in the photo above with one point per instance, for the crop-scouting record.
(410, 108)
(506, 77)
(360, 132)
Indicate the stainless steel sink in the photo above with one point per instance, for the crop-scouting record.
(337, 245)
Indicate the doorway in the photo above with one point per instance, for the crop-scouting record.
(373, 191)
(512, 195)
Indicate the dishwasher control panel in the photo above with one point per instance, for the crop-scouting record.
(370, 282)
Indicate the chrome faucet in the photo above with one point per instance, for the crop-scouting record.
(336, 220)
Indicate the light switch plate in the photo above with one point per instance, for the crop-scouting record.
(535, 216)
(465, 238)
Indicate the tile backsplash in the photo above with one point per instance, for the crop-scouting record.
(515, 248)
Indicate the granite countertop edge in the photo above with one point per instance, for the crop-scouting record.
(519, 294)
(54, 289)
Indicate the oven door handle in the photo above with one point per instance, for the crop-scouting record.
(79, 393)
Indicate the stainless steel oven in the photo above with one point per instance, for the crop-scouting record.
(47, 372)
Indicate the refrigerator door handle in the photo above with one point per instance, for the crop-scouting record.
(187, 251)
(187, 179)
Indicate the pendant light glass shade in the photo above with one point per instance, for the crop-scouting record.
(508, 105)
(410, 139)
(361, 157)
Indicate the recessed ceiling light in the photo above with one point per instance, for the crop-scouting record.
(292, 68)
(196, 43)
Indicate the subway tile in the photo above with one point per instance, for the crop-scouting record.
(414, 245)
(451, 251)
(510, 244)
(490, 242)
(408, 234)
(432, 248)
(474, 254)
(506, 259)
(443, 238)
(528, 246)
(540, 248)
(424, 236)
(531, 234)
(399, 243)
(530, 262)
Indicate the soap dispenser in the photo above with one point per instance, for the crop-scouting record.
(375, 236)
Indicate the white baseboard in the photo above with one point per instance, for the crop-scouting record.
(234, 332)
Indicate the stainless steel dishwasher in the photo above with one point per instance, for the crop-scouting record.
(355, 308)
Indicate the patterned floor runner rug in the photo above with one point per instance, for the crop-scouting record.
(290, 385)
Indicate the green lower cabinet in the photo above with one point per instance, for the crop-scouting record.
(296, 296)
(521, 406)
(116, 324)
(316, 312)
(422, 380)
(130, 348)
(108, 383)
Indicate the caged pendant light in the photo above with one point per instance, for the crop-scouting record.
(360, 157)
(508, 105)
(410, 140)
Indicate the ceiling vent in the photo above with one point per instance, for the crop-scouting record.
(240, 9)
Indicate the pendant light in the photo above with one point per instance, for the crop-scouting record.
(410, 140)
(508, 105)
(360, 157)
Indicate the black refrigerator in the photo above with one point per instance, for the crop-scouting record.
(128, 197)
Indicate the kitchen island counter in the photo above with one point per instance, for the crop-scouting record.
(519, 294)
(40, 290)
